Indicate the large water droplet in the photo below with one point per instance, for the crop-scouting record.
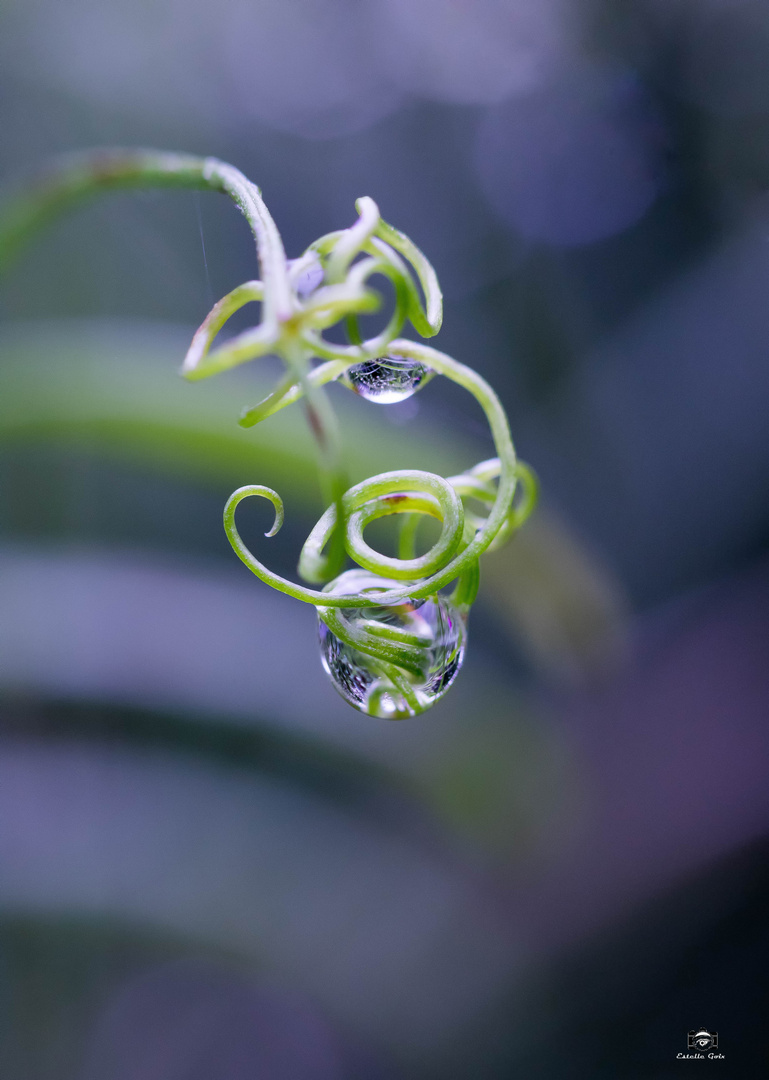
(364, 681)
(388, 378)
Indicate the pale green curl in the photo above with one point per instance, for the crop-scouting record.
(330, 283)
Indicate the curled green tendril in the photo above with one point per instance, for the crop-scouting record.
(493, 484)
(299, 299)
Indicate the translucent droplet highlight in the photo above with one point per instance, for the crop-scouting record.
(433, 635)
(387, 379)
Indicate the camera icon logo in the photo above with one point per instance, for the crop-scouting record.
(701, 1039)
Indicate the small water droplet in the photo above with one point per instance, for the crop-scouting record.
(435, 624)
(387, 379)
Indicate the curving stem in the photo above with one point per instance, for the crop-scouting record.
(76, 178)
(462, 565)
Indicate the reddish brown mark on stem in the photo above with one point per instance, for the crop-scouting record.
(316, 424)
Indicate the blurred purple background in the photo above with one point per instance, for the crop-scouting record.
(209, 865)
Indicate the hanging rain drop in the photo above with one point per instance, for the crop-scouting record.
(430, 636)
(387, 379)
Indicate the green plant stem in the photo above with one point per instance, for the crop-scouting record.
(463, 565)
(77, 178)
(295, 311)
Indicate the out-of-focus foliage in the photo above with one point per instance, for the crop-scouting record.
(179, 792)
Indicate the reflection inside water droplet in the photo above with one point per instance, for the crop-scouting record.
(387, 379)
(433, 635)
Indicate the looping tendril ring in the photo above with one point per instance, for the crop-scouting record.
(477, 510)
(390, 612)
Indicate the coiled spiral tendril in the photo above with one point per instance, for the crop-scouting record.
(362, 617)
(393, 640)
